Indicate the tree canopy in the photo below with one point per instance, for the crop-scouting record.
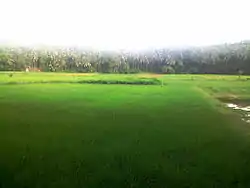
(217, 59)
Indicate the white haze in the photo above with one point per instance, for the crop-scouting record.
(123, 24)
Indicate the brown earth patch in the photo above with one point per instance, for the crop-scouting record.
(149, 75)
(76, 74)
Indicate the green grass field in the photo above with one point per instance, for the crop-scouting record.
(174, 134)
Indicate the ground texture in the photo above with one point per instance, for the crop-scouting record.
(176, 134)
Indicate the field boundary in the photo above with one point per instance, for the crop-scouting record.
(106, 82)
(232, 116)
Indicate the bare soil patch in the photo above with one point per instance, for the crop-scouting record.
(76, 74)
(149, 75)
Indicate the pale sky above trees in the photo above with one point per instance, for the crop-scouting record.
(119, 24)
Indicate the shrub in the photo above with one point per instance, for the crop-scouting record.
(168, 70)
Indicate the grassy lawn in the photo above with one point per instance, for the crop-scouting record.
(21, 77)
(92, 135)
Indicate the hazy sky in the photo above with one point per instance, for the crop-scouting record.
(116, 24)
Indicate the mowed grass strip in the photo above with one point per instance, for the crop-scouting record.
(118, 136)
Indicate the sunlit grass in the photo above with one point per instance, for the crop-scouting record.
(84, 135)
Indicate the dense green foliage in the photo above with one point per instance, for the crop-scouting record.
(96, 136)
(224, 59)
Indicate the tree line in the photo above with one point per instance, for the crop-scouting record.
(217, 59)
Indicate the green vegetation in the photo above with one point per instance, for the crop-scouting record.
(218, 59)
(93, 135)
(29, 78)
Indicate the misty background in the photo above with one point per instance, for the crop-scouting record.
(123, 24)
